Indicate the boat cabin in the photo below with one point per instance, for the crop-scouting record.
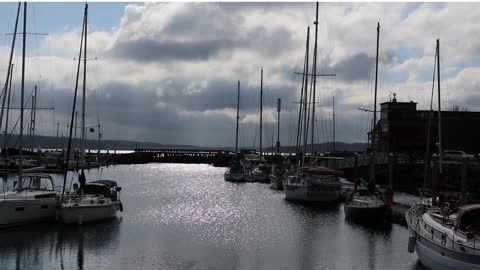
(107, 188)
(40, 182)
(468, 220)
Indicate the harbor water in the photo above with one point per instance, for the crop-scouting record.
(185, 216)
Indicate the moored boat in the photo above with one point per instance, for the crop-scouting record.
(445, 239)
(97, 200)
(313, 184)
(277, 176)
(32, 200)
(367, 208)
(235, 173)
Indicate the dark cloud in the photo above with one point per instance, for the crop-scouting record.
(150, 50)
(203, 31)
(360, 66)
(222, 94)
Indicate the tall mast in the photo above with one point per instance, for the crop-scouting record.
(305, 102)
(56, 139)
(279, 107)
(314, 77)
(31, 131)
(440, 152)
(374, 144)
(333, 121)
(10, 65)
(5, 136)
(99, 142)
(24, 34)
(84, 87)
(299, 124)
(73, 107)
(238, 118)
(261, 111)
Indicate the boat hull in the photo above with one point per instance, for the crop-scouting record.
(276, 182)
(17, 213)
(432, 258)
(435, 254)
(234, 177)
(367, 215)
(87, 213)
(310, 194)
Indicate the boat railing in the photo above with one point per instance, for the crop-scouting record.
(438, 237)
(366, 204)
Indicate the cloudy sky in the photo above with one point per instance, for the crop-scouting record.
(167, 72)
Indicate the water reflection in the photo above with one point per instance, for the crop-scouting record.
(180, 216)
(53, 245)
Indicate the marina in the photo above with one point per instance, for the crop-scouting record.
(181, 188)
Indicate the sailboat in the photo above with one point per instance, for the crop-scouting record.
(33, 198)
(310, 183)
(260, 172)
(236, 171)
(96, 200)
(444, 237)
(367, 204)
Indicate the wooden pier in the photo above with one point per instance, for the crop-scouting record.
(216, 157)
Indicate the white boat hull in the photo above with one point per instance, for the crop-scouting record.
(88, 213)
(16, 213)
(436, 261)
(310, 194)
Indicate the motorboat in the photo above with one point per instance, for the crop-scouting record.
(445, 238)
(33, 199)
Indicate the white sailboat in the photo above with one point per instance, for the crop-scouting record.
(444, 237)
(33, 198)
(96, 200)
(310, 183)
(445, 240)
(313, 184)
(369, 205)
(236, 171)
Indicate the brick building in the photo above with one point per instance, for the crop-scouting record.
(402, 128)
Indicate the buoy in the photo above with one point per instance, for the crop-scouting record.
(411, 244)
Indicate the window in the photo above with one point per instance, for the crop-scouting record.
(37, 183)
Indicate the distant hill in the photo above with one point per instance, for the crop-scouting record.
(49, 142)
(322, 147)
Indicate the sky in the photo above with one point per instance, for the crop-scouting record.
(168, 72)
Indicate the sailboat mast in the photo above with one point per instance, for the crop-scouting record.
(314, 78)
(279, 107)
(238, 118)
(299, 123)
(10, 65)
(5, 137)
(84, 88)
(69, 147)
(261, 111)
(440, 151)
(24, 34)
(333, 121)
(305, 102)
(374, 144)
